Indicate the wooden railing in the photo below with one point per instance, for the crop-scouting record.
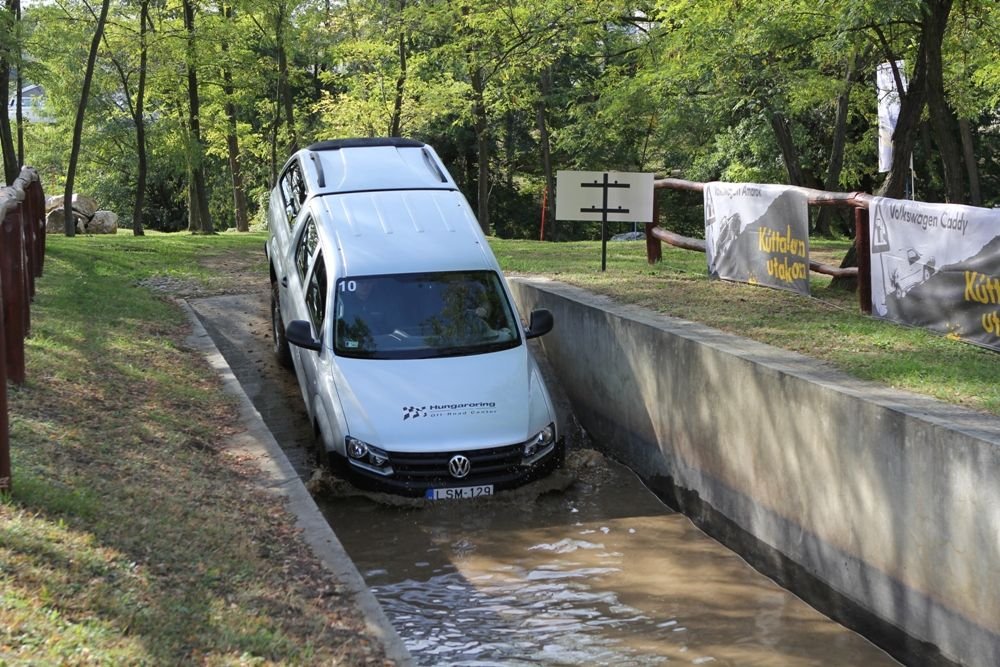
(858, 201)
(22, 253)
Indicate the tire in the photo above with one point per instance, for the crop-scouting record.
(282, 352)
(333, 462)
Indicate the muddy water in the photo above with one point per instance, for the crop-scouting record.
(599, 573)
(585, 568)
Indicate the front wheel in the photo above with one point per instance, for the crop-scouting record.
(282, 352)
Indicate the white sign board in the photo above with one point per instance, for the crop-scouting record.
(614, 196)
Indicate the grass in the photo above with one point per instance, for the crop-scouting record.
(132, 535)
(828, 326)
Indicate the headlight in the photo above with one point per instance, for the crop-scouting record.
(366, 456)
(541, 442)
(356, 449)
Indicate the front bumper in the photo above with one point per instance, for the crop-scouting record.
(416, 472)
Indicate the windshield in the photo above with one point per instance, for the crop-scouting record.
(423, 315)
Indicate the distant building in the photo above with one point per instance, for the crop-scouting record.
(32, 105)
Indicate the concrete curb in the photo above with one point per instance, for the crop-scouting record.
(282, 479)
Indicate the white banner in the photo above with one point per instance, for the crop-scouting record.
(758, 234)
(937, 266)
(888, 110)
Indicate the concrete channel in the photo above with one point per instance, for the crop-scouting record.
(588, 567)
(879, 507)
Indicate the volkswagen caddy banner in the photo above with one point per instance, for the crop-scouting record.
(937, 266)
(758, 234)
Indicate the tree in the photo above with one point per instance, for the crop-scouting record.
(70, 221)
(926, 82)
(200, 218)
(8, 53)
(508, 93)
(232, 136)
(135, 103)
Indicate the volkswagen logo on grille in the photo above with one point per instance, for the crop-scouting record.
(459, 466)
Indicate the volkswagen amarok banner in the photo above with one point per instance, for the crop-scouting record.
(758, 234)
(937, 266)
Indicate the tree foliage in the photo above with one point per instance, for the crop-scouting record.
(508, 92)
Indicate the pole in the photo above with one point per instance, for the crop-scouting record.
(654, 250)
(862, 248)
(545, 196)
(604, 225)
(604, 212)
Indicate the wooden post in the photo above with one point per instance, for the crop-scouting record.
(22, 250)
(862, 247)
(13, 295)
(37, 197)
(5, 474)
(654, 248)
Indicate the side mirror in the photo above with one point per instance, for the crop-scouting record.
(299, 333)
(539, 323)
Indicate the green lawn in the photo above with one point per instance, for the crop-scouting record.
(133, 537)
(829, 325)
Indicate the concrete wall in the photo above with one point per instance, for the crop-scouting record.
(880, 508)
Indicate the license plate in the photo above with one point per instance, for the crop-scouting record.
(460, 492)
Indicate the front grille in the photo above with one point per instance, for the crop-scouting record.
(428, 466)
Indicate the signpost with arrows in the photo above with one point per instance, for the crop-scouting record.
(605, 196)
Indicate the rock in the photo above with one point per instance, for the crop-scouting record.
(55, 221)
(82, 204)
(629, 236)
(85, 205)
(103, 222)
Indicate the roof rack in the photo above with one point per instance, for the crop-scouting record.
(337, 144)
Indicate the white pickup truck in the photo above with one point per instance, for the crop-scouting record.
(389, 304)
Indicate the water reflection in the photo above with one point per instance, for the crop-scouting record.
(599, 574)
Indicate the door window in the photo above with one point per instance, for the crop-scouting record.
(308, 242)
(293, 191)
(316, 292)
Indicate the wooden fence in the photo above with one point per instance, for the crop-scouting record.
(22, 252)
(858, 201)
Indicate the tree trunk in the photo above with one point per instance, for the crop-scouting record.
(19, 85)
(541, 113)
(232, 138)
(942, 119)
(275, 124)
(482, 151)
(74, 155)
(196, 150)
(971, 166)
(11, 167)
(140, 124)
(397, 102)
(789, 153)
(912, 102)
(284, 89)
(848, 283)
(194, 216)
(824, 226)
(235, 170)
